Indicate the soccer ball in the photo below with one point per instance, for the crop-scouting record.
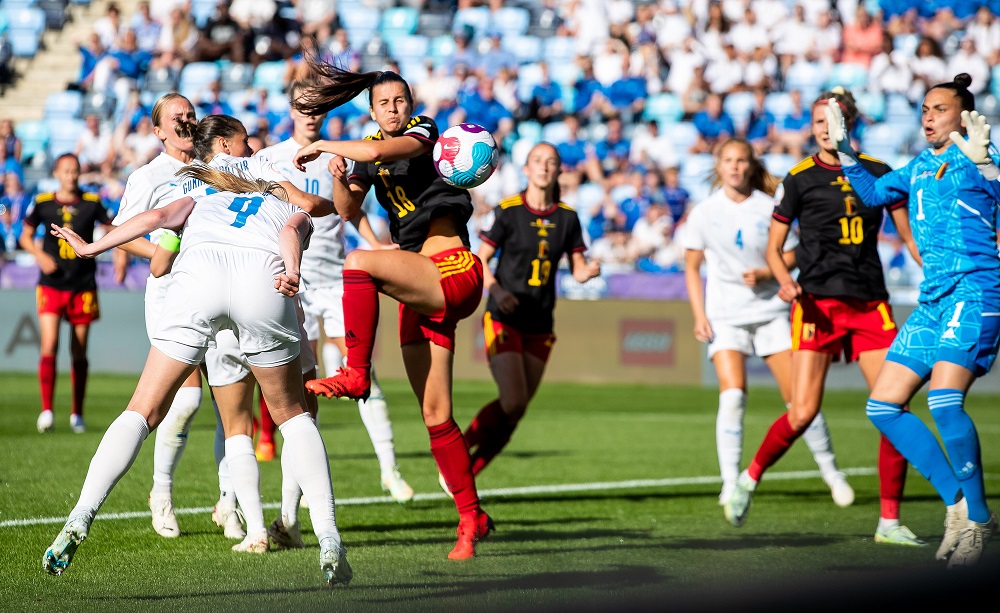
(466, 155)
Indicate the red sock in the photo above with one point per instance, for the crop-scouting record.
(496, 440)
(452, 456)
(47, 380)
(891, 478)
(266, 423)
(778, 440)
(488, 418)
(78, 375)
(360, 317)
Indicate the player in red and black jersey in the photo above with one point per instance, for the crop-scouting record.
(532, 231)
(67, 286)
(434, 276)
(840, 305)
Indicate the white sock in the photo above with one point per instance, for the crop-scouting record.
(331, 359)
(305, 454)
(114, 456)
(171, 437)
(226, 493)
(291, 493)
(817, 438)
(887, 524)
(729, 432)
(375, 416)
(246, 480)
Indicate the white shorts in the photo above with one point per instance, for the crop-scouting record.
(324, 303)
(760, 339)
(233, 289)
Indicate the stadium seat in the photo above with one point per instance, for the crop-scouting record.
(23, 43)
(270, 76)
(805, 78)
(695, 173)
(98, 103)
(528, 76)
(63, 134)
(885, 140)
(665, 108)
(559, 50)
(56, 13)
(531, 130)
(431, 24)
(196, 77)
(995, 81)
(900, 111)
(160, 81)
(11, 5)
(63, 105)
(739, 105)
(526, 49)
(408, 47)
(852, 77)
(871, 104)
(511, 21)
(441, 47)
(779, 104)
(906, 43)
(202, 11)
(476, 17)
(34, 135)
(683, 134)
(399, 21)
(236, 77)
(361, 22)
(778, 164)
(29, 18)
(564, 74)
(555, 132)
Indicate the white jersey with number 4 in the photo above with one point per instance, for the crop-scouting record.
(323, 263)
(733, 236)
(223, 219)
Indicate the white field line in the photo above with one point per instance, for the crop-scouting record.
(494, 493)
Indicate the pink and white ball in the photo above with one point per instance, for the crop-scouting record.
(466, 155)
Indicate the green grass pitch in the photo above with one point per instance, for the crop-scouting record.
(606, 499)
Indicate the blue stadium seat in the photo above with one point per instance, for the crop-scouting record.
(555, 132)
(739, 105)
(528, 76)
(806, 79)
(852, 77)
(236, 77)
(778, 164)
(34, 135)
(476, 17)
(559, 50)
(63, 105)
(63, 134)
(270, 76)
(695, 172)
(361, 22)
(202, 11)
(11, 5)
(995, 81)
(29, 18)
(526, 48)
(160, 81)
(683, 135)
(399, 21)
(196, 77)
(871, 104)
(564, 74)
(408, 47)
(885, 140)
(511, 21)
(441, 47)
(531, 130)
(900, 111)
(665, 108)
(779, 104)
(23, 43)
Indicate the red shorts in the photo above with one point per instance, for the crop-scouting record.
(462, 284)
(76, 307)
(841, 326)
(502, 338)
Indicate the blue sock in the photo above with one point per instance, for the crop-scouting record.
(962, 443)
(918, 445)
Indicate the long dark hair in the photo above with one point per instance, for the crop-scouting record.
(203, 133)
(960, 85)
(336, 86)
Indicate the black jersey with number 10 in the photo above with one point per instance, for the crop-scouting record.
(838, 235)
(412, 192)
(530, 245)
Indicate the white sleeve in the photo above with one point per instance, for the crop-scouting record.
(268, 170)
(693, 238)
(137, 198)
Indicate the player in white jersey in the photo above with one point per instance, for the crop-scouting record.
(147, 188)
(323, 288)
(740, 313)
(249, 242)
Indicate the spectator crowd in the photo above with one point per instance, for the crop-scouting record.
(636, 94)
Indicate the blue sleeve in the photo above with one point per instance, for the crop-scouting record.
(887, 189)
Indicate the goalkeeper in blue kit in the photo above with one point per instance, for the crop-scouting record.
(952, 336)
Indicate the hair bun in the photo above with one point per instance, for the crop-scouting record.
(963, 80)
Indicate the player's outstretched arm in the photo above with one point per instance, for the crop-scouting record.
(171, 216)
(976, 146)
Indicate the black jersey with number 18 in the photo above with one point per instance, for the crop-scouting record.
(412, 192)
(530, 245)
(838, 235)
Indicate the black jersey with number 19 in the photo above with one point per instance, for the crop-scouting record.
(531, 243)
(412, 192)
(838, 235)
